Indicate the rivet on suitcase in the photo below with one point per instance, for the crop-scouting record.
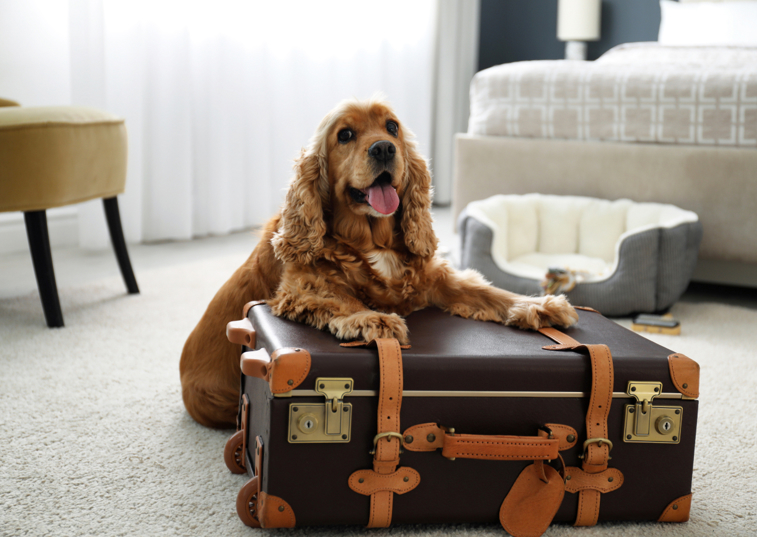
(474, 422)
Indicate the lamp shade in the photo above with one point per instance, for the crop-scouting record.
(578, 20)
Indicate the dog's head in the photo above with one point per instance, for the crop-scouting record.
(362, 162)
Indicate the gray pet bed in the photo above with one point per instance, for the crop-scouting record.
(629, 257)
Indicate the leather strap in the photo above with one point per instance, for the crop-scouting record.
(368, 482)
(349, 344)
(390, 402)
(577, 480)
(559, 337)
(565, 434)
(596, 454)
(424, 437)
(588, 508)
(386, 455)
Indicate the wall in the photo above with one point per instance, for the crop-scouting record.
(518, 30)
(35, 71)
(34, 52)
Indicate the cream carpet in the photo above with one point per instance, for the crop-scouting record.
(94, 439)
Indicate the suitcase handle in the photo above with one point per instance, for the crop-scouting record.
(498, 448)
(430, 437)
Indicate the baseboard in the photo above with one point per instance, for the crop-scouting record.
(725, 272)
(62, 225)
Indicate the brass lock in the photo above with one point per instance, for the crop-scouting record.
(326, 422)
(648, 423)
(664, 425)
(307, 423)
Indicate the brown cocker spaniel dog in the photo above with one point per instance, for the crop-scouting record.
(351, 252)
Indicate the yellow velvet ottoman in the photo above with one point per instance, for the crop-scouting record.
(56, 156)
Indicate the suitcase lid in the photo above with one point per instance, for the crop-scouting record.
(452, 354)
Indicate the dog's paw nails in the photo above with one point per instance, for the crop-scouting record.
(558, 312)
(371, 325)
(383, 325)
(524, 315)
(538, 313)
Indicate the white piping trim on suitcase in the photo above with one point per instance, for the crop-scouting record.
(442, 393)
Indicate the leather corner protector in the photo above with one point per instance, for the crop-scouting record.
(289, 367)
(562, 432)
(273, 512)
(419, 437)
(684, 372)
(250, 305)
(368, 482)
(577, 480)
(677, 511)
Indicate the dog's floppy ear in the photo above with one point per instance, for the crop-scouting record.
(416, 204)
(302, 227)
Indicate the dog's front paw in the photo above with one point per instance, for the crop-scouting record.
(536, 313)
(369, 325)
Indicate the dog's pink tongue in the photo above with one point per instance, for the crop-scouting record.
(383, 198)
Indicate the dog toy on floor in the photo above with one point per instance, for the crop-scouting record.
(559, 280)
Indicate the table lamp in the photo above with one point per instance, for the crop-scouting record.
(578, 21)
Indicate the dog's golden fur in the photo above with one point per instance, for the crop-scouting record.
(332, 260)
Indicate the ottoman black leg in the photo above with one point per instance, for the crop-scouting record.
(119, 244)
(39, 244)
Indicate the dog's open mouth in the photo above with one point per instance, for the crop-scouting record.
(381, 195)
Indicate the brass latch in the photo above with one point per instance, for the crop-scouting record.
(649, 423)
(328, 422)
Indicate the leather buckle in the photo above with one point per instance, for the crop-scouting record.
(388, 435)
(599, 441)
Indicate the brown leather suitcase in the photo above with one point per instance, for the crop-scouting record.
(475, 422)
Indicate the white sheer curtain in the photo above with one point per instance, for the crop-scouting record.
(457, 61)
(219, 96)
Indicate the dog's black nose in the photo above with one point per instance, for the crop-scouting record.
(382, 151)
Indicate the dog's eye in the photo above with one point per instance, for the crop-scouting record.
(392, 127)
(345, 135)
